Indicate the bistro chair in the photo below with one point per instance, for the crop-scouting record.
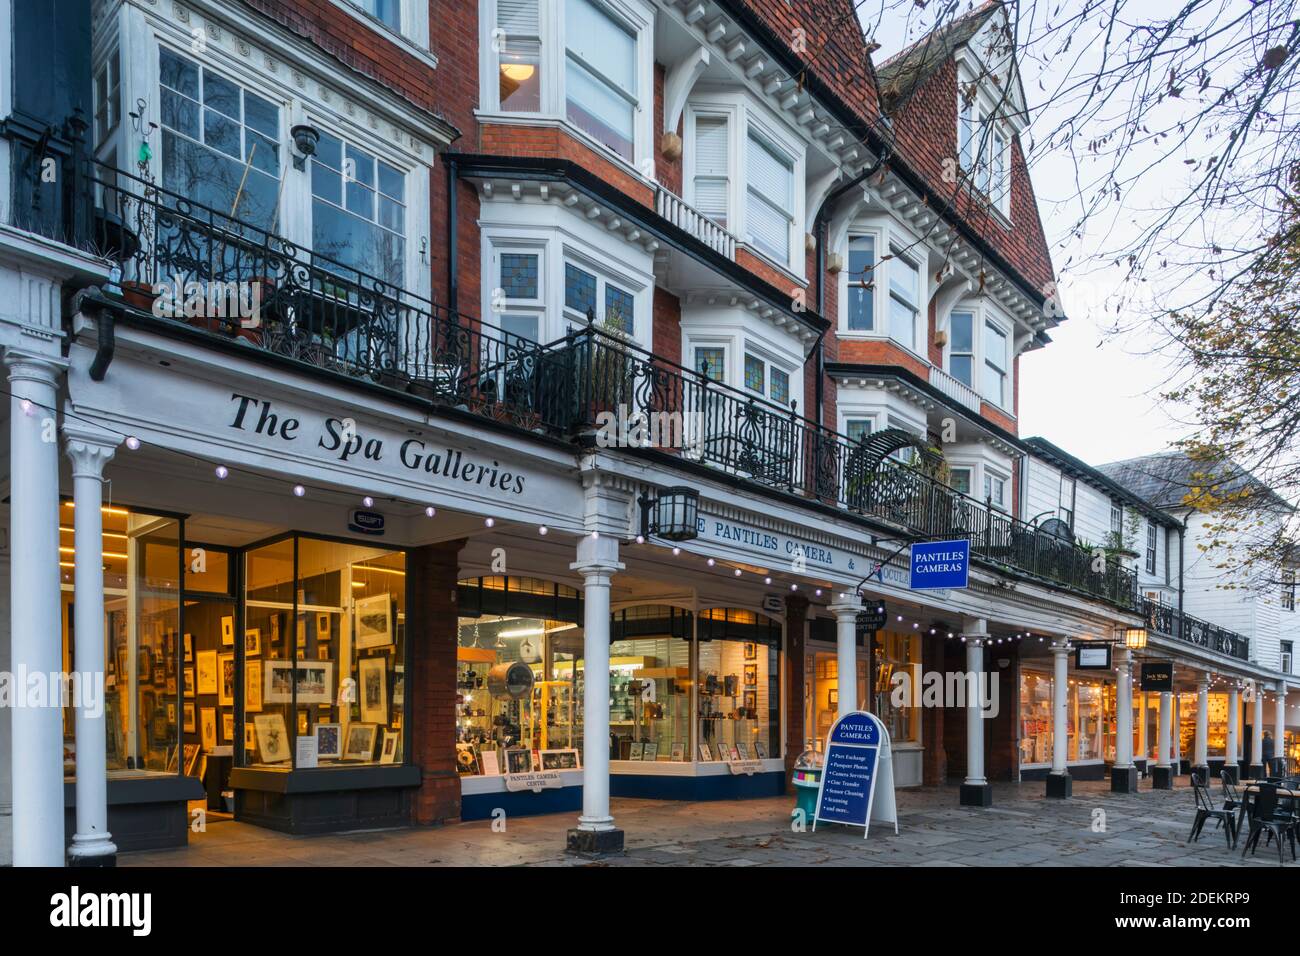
(1205, 810)
(1231, 795)
(1265, 816)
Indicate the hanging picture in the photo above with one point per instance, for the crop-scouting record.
(278, 682)
(208, 727)
(189, 681)
(275, 629)
(189, 648)
(329, 741)
(228, 632)
(374, 621)
(252, 642)
(360, 744)
(751, 674)
(399, 686)
(751, 651)
(315, 682)
(751, 701)
(227, 726)
(206, 663)
(226, 674)
(373, 673)
(388, 751)
(250, 736)
(187, 715)
(272, 737)
(252, 686)
(322, 627)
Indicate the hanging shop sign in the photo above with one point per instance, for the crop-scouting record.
(857, 762)
(366, 522)
(1092, 657)
(1158, 675)
(940, 564)
(871, 619)
(773, 604)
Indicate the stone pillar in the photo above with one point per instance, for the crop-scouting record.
(1059, 783)
(1279, 727)
(1230, 762)
(1123, 776)
(1162, 775)
(597, 563)
(796, 734)
(1200, 756)
(1176, 734)
(90, 450)
(36, 732)
(1257, 737)
(975, 789)
(431, 626)
(6, 713)
(846, 610)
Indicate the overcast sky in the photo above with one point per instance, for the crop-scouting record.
(1092, 393)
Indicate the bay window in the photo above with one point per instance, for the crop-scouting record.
(862, 283)
(767, 379)
(585, 291)
(995, 364)
(904, 299)
(769, 199)
(358, 210)
(710, 156)
(518, 42)
(519, 275)
(995, 489)
(961, 347)
(600, 75)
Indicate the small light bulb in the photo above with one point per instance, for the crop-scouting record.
(430, 511)
(299, 490)
(133, 443)
(677, 551)
(26, 405)
(368, 501)
(737, 572)
(489, 522)
(794, 587)
(640, 539)
(543, 529)
(222, 471)
(819, 592)
(767, 580)
(712, 562)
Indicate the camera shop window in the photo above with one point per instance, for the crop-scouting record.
(738, 685)
(650, 685)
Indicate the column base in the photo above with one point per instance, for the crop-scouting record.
(1201, 775)
(976, 795)
(1162, 778)
(1059, 785)
(1123, 779)
(102, 861)
(594, 842)
(1233, 772)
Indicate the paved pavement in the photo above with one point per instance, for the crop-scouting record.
(1022, 828)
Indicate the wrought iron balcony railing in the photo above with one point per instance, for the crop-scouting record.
(1170, 622)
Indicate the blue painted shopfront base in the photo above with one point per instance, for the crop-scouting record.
(715, 787)
(480, 806)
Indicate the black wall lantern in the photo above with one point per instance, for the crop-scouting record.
(305, 139)
(672, 515)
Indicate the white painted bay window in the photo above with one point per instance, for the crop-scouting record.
(995, 364)
(712, 182)
(587, 291)
(767, 379)
(862, 284)
(904, 299)
(770, 201)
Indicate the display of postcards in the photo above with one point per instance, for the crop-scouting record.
(519, 760)
(679, 752)
(743, 749)
(651, 751)
(734, 752)
(751, 674)
(636, 750)
(560, 760)
(706, 752)
(226, 678)
(760, 750)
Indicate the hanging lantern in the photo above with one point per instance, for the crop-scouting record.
(1135, 638)
(672, 515)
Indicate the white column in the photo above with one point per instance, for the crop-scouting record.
(975, 709)
(36, 731)
(6, 713)
(1279, 722)
(1234, 718)
(1060, 705)
(1176, 732)
(1257, 732)
(90, 450)
(1124, 710)
(1143, 745)
(846, 610)
(1162, 731)
(1200, 757)
(597, 562)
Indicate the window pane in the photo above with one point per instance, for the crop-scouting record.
(221, 133)
(959, 480)
(780, 387)
(361, 166)
(261, 115)
(595, 107)
(264, 153)
(962, 369)
(712, 362)
(579, 289)
(993, 382)
(903, 279)
(392, 215)
(601, 43)
(519, 275)
(771, 175)
(754, 374)
(520, 75)
(180, 114)
(619, 307)
(392, 182)
(962, 332)
(995, 347)
(387, 11)
(360, 200)
(220, 94)
(353, 242)
(521, 327)
(213, 179)
(858, 429)
(178, 73)
(769, 230)
(862, 261)
(902, 323)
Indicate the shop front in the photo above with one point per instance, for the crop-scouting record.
(1086, 721)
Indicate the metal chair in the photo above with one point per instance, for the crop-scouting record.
(1265, 816)
(1205, 810)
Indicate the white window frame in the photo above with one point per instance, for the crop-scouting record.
(1151, 553)
(987, 125)
(972, 471)
(500, 304)
(638, 16)
(973, 354)
(848, 281)
(1117, 526)
(1288, 591)
(916, 262)
(605, 277)
(1003, 401)
(990, 475)
(731, 112)
(982, 314)
(756, 350)
(755, 132)
(1066, 505)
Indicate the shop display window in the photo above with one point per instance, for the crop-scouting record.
(822, 695)
(1035, 717)
(323, 654)
(1084, 718)
(142, 571)
(897, 654)
(1216, 725)
(738, 685)
(650, 685)
(208, 725)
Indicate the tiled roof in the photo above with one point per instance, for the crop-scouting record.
(1166, 477)
(905, 71)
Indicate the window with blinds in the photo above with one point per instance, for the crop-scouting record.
(711, 169)
(600, 75)
(519, 42)
(770, 192)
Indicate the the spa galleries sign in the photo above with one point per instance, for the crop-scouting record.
(940, 564)
(857, 762)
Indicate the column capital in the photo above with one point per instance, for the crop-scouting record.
(1060, 647)
(90, 448)
(846, 604)
(35, 367)
(1203, 681)
(597, 557)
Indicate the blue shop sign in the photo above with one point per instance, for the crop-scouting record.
(856, 761)
(940, 564)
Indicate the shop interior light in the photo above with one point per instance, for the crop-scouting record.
(1135, 638)
(489, 522)
(542, 530)
(368, 502)
(299, 491)
(519, 72)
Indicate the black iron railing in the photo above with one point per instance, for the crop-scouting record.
(1170, 622)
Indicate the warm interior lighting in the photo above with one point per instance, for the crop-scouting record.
(104, 508)
(107, 534)
(1135, 638)
(106, 554)
(518, 72)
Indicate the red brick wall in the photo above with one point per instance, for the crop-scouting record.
(667, 171)
(881, 352)
(431, 628)
(796, 616)
(667, 334)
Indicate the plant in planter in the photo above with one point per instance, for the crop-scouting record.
(612, 367)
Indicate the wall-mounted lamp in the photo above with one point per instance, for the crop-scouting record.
(1135, 638)
(305, 138)
(672, 515)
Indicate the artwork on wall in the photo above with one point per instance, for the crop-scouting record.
(329, 741)
(388, 751)
(315, 682)
(208, 727)
(252, 686)
(750, 700)
(206, 663)
(322, 627)
(189, 648)
(187, 715)
(227, 726)
(751, 651)
(278, 680)
(252, 642)
(360, 742)
(374, 621)
(399, 686)
(189, 681)
(751, 674)
(272, 737)
(250, 736)
(228, 632)
(226, 674)
(275, 629)
(373, 672)
(560, 760)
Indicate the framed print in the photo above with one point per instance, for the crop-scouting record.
(302, 723)
(322, 627)
(206, 664)
(302, 630)
(159, 674)
(650, 752)
(227, 726)
(374, 622)
(373, 673)
(228, 632)
(388, 749)
(188, 723)
(191, 758)
(679, 752)
(360, 742)
(734, 752)
(399, 685)
(743, 748)
(188, 681)
(751, 651)
(315, 682)
(250, 736)
(171, 686)
(144, 664)
(277, 682)
(560, 760)
(275, 629)
(252, 686)
(751, 674)
(751, 700)
(226, 672)
(208, 727)
(252, 642)
(189, 648)
(519, 760)
(329, 741)
(272, 737)
(760, 750)
(832, 698)
(636, 750)
(706, 753)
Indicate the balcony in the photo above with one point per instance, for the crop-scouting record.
(675, 209)
(955, 389)
(1169, 622)
(319, 315)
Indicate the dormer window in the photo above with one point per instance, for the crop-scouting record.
(982, 148)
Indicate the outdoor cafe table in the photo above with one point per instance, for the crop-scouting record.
(1250, 788)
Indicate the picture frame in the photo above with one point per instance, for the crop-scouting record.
(561, 760)
(678, 754)
(275, 629)
(372, 674)
(188, 641)
(252, 686)
(734, 752)
(315, 681)
(272, 738)
(277, 682)
(750, 700)
(226, 680)
(190, 758)
(189, 723)
(399, 686)
(751, 674)
(706, 753)
(227, 631)
(650, 752)
(329, 741)
(252, 641)
(208, 727)
(519, 760)
(205, 663)
(373, 621)
(228, 726)
(760, 750)
(302, 723)
(751, 651)
(250, 736)
(743, 749)
(187, 681)
(390, 747)
(322, 627)
(635, 751)
(360, 742)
